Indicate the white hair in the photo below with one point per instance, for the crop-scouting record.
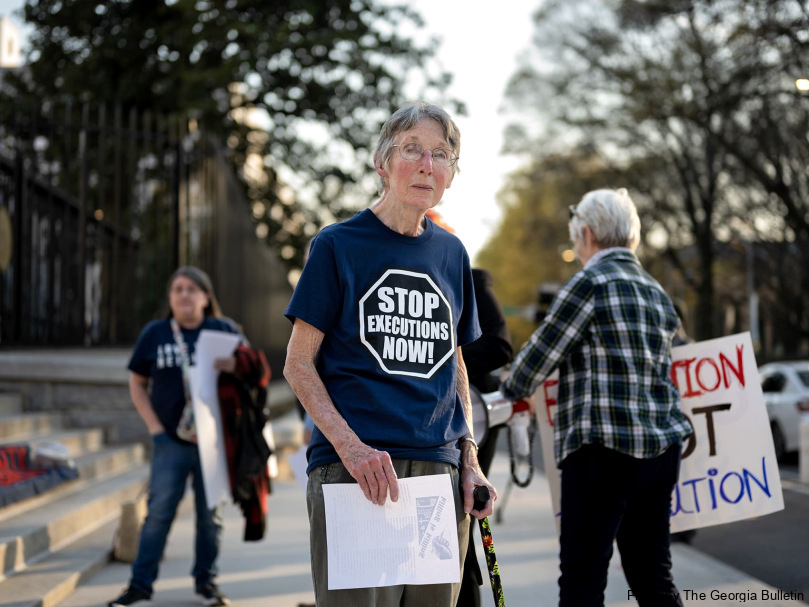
(611, 216)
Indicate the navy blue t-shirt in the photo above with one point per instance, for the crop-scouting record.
(393, 309)
(157, 356)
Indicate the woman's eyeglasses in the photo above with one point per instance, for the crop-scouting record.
(413, 152)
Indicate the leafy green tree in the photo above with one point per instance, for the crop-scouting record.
(745, 58)
(296, 88)
(529, 245)
(691, 101)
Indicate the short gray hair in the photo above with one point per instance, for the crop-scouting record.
(611, 216)
(406, 118)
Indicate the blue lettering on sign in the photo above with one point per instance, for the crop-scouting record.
(731, 488)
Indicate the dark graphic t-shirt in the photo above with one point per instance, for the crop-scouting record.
(157, 356)
(393, 310)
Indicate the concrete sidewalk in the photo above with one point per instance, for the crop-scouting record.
(275, 572)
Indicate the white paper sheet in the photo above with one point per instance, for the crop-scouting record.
(207, 416)
(412, 541)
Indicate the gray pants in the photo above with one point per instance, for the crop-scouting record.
(426, 595)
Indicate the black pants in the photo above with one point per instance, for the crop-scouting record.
(609, 496)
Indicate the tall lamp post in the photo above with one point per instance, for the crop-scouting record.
(802, 84)
(752, 295)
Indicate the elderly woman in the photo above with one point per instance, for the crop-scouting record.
(380, 313)
(618, 429)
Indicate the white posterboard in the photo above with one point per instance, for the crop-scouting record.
(207, 415)
(728, 471)
(411, 541)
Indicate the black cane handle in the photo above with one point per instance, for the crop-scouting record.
(481, 495)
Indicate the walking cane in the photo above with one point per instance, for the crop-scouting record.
(481, 495)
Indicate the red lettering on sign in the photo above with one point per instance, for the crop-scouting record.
(697, 373)
(549, 401)
(685, 363)
(700, 364)
(738, 371)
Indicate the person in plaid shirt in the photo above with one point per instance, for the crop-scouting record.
(619, 429)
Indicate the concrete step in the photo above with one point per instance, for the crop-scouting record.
(72, 366)
(110, 461)
(22, 425)
(53, 578)
(10, 403)
(24, 538)
(78, 442)
(92, 467)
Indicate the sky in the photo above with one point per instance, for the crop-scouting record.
(480, 47)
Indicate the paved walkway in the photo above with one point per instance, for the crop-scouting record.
(275, 571)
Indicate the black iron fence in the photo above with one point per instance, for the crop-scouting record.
(100, 206)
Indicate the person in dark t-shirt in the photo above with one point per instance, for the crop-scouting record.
(160, 361)
(491, 351)
(380, 313)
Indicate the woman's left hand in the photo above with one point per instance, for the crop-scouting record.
(228, 365)
(472, 476)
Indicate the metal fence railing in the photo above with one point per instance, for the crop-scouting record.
(102, 205)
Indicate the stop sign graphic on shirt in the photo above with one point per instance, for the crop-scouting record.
(406, 323)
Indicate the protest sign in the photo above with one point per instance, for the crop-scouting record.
(728, 471)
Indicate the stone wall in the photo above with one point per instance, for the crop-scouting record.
(90, 388)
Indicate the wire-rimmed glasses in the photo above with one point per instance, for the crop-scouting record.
(413, 152)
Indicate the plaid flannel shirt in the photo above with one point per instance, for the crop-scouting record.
(609, 332)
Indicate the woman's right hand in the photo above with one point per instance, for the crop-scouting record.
(139, 391)
(373, 471)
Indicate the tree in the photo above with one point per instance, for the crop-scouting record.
(527, 248)
(748, 54)
(295, 88)
(680, 97)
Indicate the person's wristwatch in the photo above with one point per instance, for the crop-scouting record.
(469, 439)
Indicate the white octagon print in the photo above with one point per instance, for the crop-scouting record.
(406, 323)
